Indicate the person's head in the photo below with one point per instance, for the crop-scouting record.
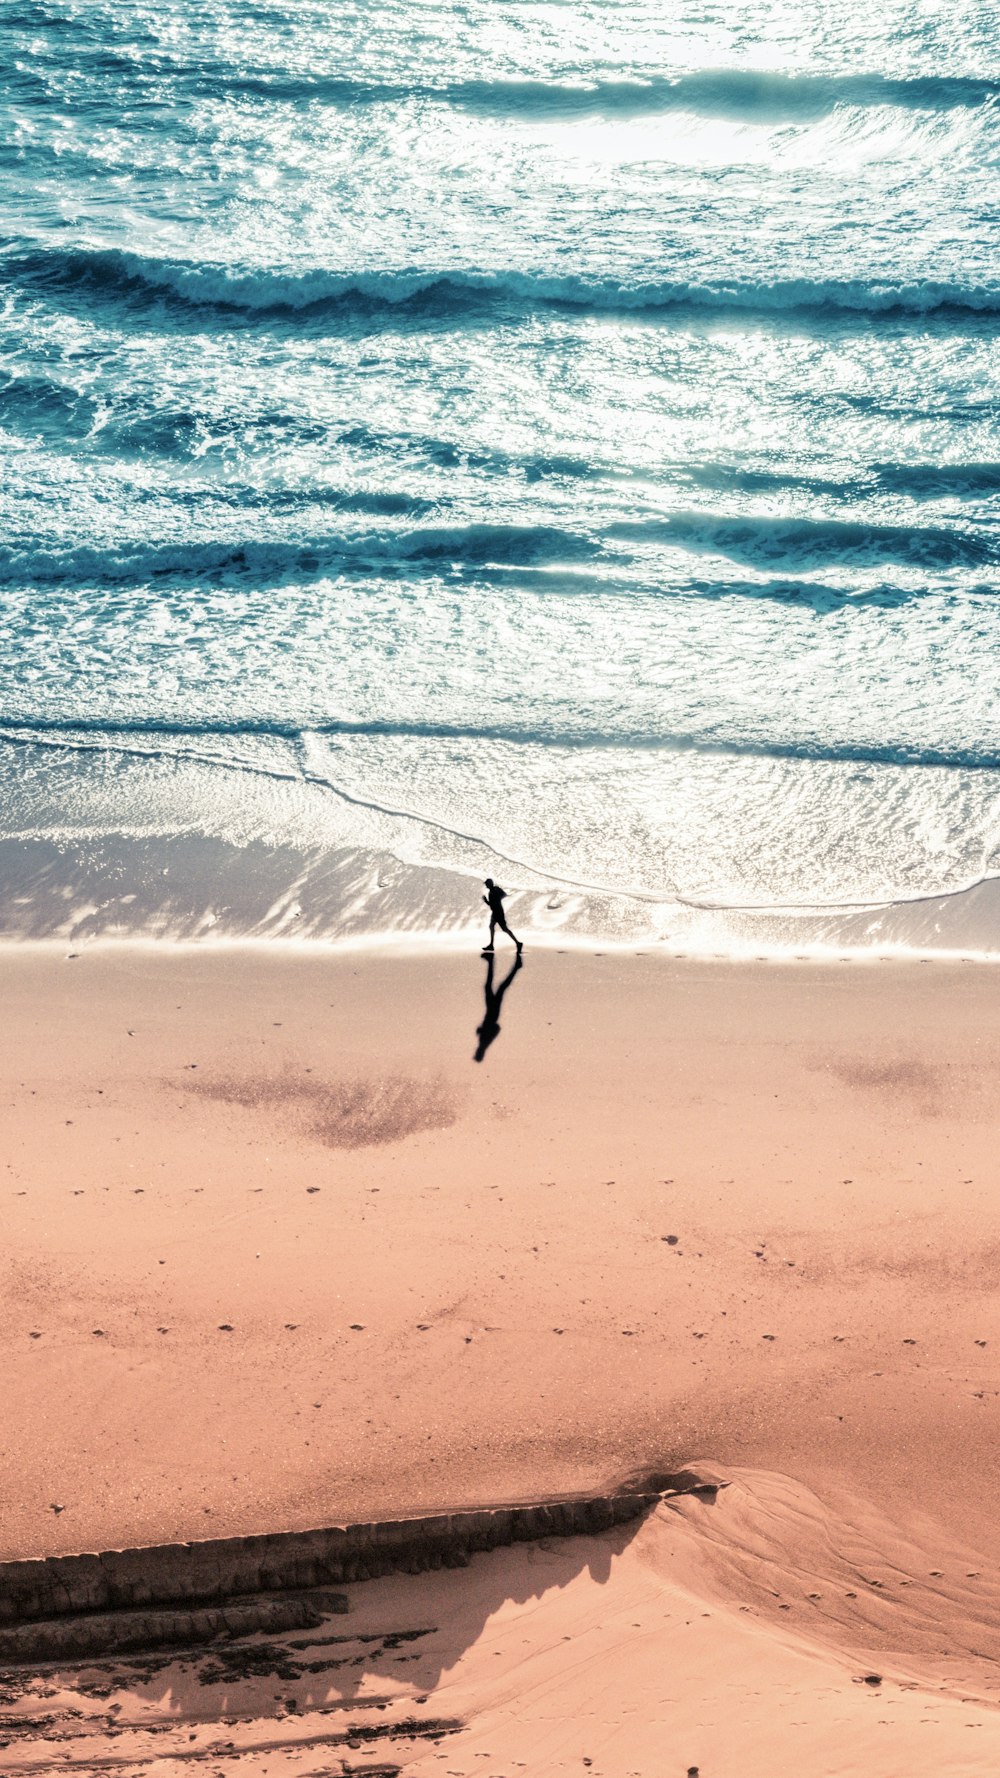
(489, 882)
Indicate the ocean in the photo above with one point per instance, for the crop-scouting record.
(553, 440)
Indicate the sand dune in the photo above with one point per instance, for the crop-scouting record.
(741, 1633)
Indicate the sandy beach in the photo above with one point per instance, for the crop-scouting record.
(548, 450)
(281, 1253)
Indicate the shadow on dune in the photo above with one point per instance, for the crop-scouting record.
(378, 1666)
(887, 1605)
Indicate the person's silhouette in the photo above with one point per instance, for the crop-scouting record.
(490, 1027)
(494, 899)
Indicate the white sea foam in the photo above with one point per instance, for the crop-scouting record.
(567, 455)
(296, 287)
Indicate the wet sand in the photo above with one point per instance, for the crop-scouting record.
(279, 1253)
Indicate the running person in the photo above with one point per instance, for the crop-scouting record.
(494, 899)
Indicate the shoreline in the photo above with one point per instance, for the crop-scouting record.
(455, 945)
(188, 887)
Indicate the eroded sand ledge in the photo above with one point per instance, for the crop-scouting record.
(115, 1598)
(736, 1625)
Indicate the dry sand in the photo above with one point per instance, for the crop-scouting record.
(752, 1636)
(279, 1253)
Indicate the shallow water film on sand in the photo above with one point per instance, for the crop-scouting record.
(558, 440)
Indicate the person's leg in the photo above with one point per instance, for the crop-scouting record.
(493, 926)
(510, 935)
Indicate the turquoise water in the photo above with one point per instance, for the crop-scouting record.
(558, 440)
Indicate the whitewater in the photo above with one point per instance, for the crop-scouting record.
(551, 441)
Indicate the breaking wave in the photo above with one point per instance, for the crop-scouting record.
(751, 94)
(403, 552)
(381, 552)
(117, 273)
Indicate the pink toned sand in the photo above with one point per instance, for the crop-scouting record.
(279, 1253)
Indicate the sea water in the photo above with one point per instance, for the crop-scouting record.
(556, 440)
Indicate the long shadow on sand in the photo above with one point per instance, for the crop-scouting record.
(489, 1030)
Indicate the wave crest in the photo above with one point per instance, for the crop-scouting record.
(117, 273)
(271, 561)
(764, 95)
(761, 542)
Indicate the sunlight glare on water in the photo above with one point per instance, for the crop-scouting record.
(547, 434)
